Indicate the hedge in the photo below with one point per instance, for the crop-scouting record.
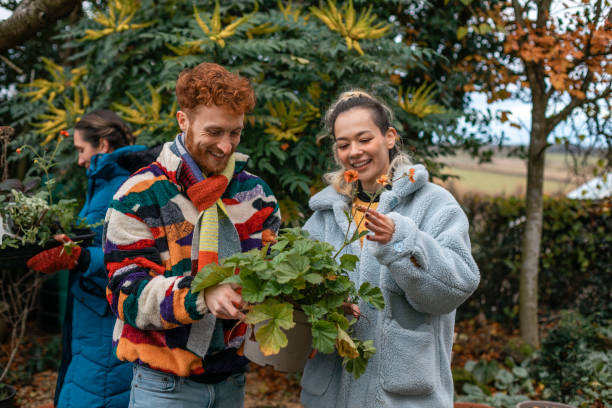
(575, 261)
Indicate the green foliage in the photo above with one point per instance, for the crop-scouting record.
(128, 58)
(30, 216)
(298, 273)
(511, 382)
(574, 265)
(575, 361)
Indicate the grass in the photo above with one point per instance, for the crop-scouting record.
(496, 183)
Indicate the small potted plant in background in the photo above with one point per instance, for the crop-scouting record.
(29, 218)
(300, 280)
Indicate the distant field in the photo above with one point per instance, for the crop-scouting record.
(507, 176)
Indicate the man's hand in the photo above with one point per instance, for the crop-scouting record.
(224, 302)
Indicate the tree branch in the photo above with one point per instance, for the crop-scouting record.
(30, 17)
(554, 120)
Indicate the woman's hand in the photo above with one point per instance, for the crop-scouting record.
(381, 225)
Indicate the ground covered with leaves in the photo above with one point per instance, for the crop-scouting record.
(490, 365)
(265, 387)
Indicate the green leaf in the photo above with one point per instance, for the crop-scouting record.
(284, 272)
(314, 312)
(280, 245)
(324, 335)
(339, 319)
(484, 28)
(348, 261)
(372, 294)
(357, 366)
(210, 275)
(253, 289)
(462, 32)
(278, 316)
(302, 246)
(314, 278)
(357, 235)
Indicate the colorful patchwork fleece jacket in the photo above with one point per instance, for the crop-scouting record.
(147, 245)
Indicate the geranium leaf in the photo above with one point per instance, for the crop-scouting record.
(284, 272)
(313, 278)
(210, 275)
(280, 313)
(372, 295)
(345, 345)
(324, 335)
(314, 312)
(339, 319)
(348, 261)
(270, 338)
(278, 316)
(299, 263)
(253, 289)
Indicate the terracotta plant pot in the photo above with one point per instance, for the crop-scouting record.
(542, 404)
(470, 405)
(291, 358)
(7, 396)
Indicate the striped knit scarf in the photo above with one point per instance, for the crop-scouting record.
(206, 230)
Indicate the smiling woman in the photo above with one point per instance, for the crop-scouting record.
(417, 251)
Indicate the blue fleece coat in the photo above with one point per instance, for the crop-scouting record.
(425, 272)
(90, 375)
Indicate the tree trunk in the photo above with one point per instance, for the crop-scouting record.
(532, 236)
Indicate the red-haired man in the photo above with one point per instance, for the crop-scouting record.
(194, 205)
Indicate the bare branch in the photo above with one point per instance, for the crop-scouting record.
(554, 120)
(30, 17)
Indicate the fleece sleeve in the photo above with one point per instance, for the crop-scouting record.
(138, 291)
(433, 266)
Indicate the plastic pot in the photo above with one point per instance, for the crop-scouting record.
(542, 404)
(291, 358)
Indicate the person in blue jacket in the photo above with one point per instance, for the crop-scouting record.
(90, 375)
(417, 250)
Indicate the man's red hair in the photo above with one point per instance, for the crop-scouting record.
(210, 84)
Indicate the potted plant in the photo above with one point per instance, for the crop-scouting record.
(29, 217)
(300, 279)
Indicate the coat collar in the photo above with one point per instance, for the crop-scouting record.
(106, 164)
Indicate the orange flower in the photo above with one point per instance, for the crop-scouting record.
(411, 174)
(284, 146)
(18, 150)
(64, 133)
(383, 180)
(350, 176)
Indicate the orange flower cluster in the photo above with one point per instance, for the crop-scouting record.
(383, 180)
(351, 176)
(18, 150)
(411, 175)
(64, 133)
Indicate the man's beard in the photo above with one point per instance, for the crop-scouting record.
(202, 156)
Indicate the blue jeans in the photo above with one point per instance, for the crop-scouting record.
(152, 388)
